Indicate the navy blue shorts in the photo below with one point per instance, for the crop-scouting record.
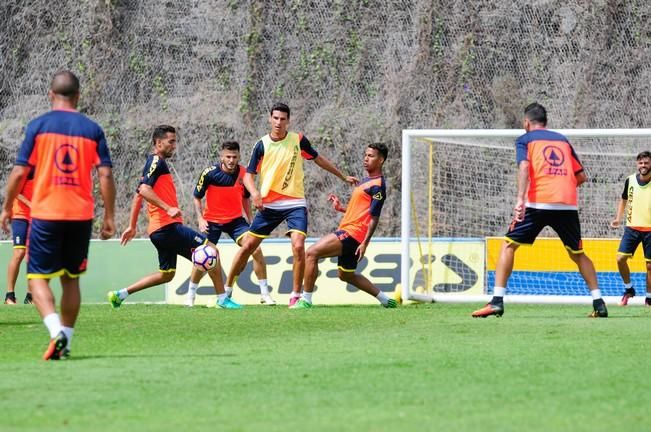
(631, 240)
(57, 248)
(564, 222)
(267, 220)
(172, 240)
(347, 261)
(235, 230)
(19, 229)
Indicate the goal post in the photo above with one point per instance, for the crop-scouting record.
(474, 182)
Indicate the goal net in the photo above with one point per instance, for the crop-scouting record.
(458, 193)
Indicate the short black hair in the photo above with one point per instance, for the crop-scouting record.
(536, 113)
(644, 155)
(231, 145)
(65, 83)
(380, 148)
(161, 131)
(279, 106)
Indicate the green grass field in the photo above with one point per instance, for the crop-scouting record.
(420, 367)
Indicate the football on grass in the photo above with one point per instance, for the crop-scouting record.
(204, 257)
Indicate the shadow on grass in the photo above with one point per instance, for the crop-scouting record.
(75, 357)
(22, 323)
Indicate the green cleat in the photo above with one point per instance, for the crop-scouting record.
(228, 303)
(302, 304)
(114, 299)
(391, 304)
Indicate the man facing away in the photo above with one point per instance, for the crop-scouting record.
(278, 157)
(355, 230)
(549, 173)
(636, 200)
(63, 146)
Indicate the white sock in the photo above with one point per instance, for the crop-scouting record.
(295, 294)
(123, 294)
(307, 296)
(264, 287)
(53, 324)
(221, 298)
(192, 289)
(499, 291)
(596, 294)
(228, 290)
(68, 331)
(628, 285)
(384, 299)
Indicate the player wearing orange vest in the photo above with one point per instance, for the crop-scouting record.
(62, 146)
(636, 201)
(166, 230)
(226, 201)
(278, 157)
(19, 232)
(355, 230)
(549, 173)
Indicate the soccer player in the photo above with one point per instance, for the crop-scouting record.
(166, 229)
(549, 173)
(355, 230)
(637, 195)
(19, 231)
(278, 157)
(226, 197)
(63, 146)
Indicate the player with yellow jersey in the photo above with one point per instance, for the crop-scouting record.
(636, 204)
(278, 158)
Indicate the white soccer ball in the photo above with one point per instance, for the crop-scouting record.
(205, 257)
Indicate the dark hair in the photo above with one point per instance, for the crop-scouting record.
(644, 155)
(161, 131)
(65, 83)
(536, 113)
(279, 106)
(380, 148)
(231, 145)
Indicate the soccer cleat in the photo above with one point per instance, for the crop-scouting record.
(391, 304)
(628, 293)
(301, 304)
(267, 300)
(10, 298)
(228, 303)
(599, 310)
(114, 299)
(647, 301)
(56, 348)
(28, 299)
(488, 310)
(293, 300)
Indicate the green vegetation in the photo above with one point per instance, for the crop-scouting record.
(420, 367)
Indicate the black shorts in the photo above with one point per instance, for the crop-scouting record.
(564, 222)
(347, 261)
(172, 240)
(57, 248)
(631, 240)
(235, 230)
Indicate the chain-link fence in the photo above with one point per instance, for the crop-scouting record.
(353, 71)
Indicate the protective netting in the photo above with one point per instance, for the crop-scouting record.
(353, 71)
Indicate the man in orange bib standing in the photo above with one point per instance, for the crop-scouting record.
(549, 173)
(63, 146)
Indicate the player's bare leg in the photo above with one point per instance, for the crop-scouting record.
(116, 298)
(44, 302)
(13, 268)
(587, 270)
(298, 267)
(249, 244)
(70, 304)
(625, 274)
(503, 271)
(647, 301)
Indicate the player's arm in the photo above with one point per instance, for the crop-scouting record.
(621, 206)
(130, 232)
(361, 249)
(107, 190)
(249, 184)
(15, 184)
(152, 197)
(523, 184)
(325, 164)
(246, 207)
(336, 204)
(198, 209)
